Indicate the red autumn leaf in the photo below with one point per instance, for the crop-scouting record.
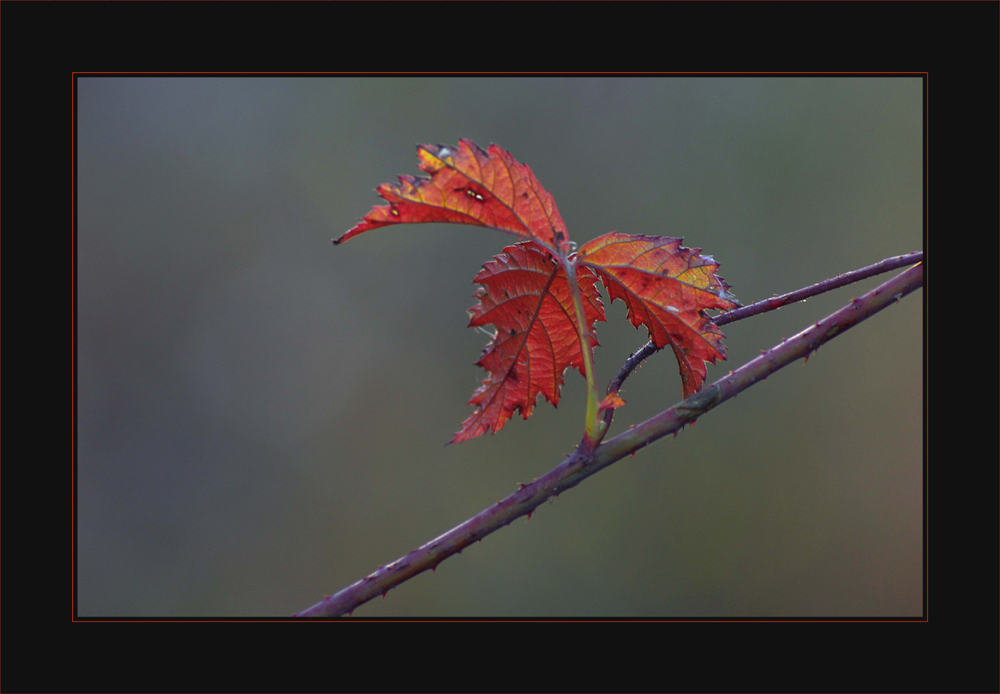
(525, 292)
(525, 295)
(470, 186)
(667, 288)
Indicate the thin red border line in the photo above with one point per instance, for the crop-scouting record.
(926, 205)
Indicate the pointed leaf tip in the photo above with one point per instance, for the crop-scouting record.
(469, 185)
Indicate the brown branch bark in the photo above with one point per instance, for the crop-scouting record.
(584, 462)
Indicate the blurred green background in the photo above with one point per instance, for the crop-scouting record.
(262, 416)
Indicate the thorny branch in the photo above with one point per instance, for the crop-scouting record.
(585, 462)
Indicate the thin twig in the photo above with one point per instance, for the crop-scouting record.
(775, 302)
(584, 463)
(819, 288)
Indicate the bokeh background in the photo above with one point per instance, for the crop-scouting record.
(262, 416)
